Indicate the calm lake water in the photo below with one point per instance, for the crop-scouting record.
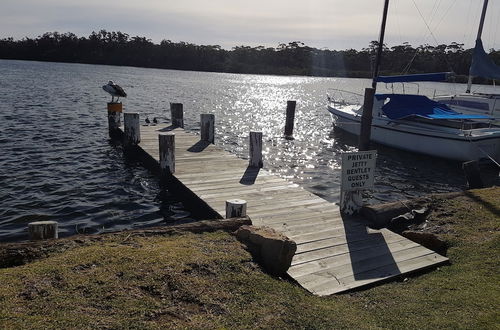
(57, 162)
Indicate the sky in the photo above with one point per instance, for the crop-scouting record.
(332, 24)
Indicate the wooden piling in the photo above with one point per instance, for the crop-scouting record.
(114, 119)
(366, 120)
(255, 149)
(132, 134)
(290, 118)
(236, 208)
(43, 230)
(207, 127)
(473, 174)
(167, 153)
(177, 114)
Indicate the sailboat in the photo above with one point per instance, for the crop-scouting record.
(481, 66)
(418, 124)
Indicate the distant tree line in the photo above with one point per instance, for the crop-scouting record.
(294, 58)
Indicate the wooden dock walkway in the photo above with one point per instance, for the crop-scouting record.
(333, 255)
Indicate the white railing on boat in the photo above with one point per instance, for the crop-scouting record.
(340, 97)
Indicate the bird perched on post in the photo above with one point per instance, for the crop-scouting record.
(114, 90)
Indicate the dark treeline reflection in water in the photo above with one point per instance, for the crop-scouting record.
(57, 163)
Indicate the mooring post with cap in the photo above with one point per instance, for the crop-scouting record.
(114, 119)
(39, 230)
(167, 153)
(177, 114)
(132, 134)
(236, 208)
(255, 149)
(207, 127)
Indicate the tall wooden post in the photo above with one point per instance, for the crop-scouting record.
(290, 118)
(366, 117)
(236, 208)
(207, 127)
(114, 120)
(255, 150)
(167, 153)
(366, 120)
(177, 114)
(43, 230)
(132, 128)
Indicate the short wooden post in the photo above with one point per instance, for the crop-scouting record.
(132, 128)
(43, 230)
(167, 153)
(255, 149)
(290, 118)
(177, 114)
(236, 208)
(114, 120)
(473, 174)
(207, 127)
(366, 120)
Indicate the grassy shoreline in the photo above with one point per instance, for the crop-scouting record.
(208, 280)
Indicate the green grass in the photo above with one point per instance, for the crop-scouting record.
(210, 281)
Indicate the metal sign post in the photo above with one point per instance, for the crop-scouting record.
(358, 174)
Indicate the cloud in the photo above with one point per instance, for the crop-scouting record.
(336, 24)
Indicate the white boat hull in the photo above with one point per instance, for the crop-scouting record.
(447, 143)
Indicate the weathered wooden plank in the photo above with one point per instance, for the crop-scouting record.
(347, 248)
(306, 216)
(268, 197)
(221, 177)
(341, 239)
(347, 264)
(303, 237)
(249, 190)
(228, 184)
(382, 272)
(208, 174)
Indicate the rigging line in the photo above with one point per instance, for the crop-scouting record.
(466, 33)
(396, 10)
(496, 31)
(450, 67)
(445, 14)
(484, 152)
(406, 69)
(425, 22)
(434, 13)
(434, 10)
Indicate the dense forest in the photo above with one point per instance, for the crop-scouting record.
(294, 58)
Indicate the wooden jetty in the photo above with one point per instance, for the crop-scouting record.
(333, 254)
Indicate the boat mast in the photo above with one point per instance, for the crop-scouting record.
(366, 117)
(479, 33)
(380, 45)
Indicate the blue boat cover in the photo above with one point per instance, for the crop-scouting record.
(482, 65)
(438, 76)
(404, 105)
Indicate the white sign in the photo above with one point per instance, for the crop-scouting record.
(358, 170)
